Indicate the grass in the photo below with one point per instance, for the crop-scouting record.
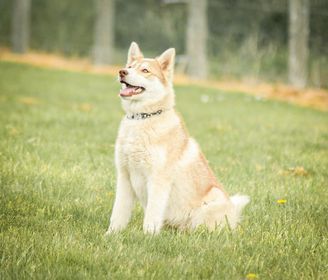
(57, 182)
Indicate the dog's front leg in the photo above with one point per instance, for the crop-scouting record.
(123, 205)
(158, 195)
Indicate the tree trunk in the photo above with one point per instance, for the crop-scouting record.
(20, 25)
(197, 39)
(104, 32)
(298, 42)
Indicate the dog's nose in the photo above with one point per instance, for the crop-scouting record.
(123, 73)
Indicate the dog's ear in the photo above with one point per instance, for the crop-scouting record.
(134, 53)
(166, 60)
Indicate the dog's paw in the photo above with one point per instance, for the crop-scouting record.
(151, 228)
(113, 229)
(109, 232)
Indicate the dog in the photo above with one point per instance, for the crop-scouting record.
(157, 162)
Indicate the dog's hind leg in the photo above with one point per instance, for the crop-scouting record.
(212, 215)
(215, 210)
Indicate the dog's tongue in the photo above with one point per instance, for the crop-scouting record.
(128, 91)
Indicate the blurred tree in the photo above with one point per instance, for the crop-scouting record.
(298, 42)
(20, 26)
(63, 26)
(246, 38)
(196, 41)
(103, 47)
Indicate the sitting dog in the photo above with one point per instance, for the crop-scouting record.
(157, 162)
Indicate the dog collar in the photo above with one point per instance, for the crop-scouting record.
(140, 116)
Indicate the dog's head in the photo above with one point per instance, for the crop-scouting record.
(146, 79)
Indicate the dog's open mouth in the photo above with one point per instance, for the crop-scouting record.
(129, 90)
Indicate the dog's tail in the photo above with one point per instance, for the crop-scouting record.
(239, 202)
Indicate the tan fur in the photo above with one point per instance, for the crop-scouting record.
(158, 163)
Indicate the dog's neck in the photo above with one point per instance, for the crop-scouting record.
(136, 107)
(142, 116)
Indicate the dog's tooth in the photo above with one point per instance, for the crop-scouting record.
(138, 90)
(123, 86)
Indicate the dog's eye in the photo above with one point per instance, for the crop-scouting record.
(145, 70)
(130, 66)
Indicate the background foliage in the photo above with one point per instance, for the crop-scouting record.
(246, 37)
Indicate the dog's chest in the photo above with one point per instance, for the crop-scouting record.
(135, 147)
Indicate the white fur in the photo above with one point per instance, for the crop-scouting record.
(160, 153)
(190, 154)
(239, 201)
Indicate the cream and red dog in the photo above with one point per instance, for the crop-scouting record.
(157, 162)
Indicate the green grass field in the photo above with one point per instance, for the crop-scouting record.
(57, 182)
